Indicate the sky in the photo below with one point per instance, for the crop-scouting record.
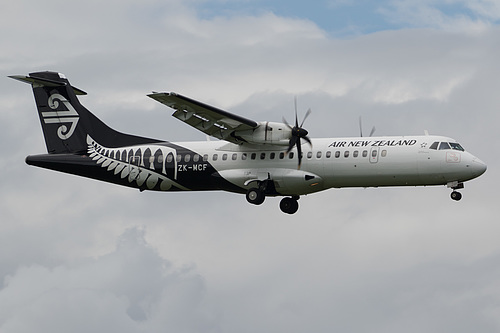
(81, 255)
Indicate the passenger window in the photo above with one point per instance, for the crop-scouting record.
(384, 153)
(196, 158)
(170, 158)
(355, 153)
(187, 158)
(309, 154)
(262, 156)
(374, 153)
(282, 155)
(434, 145)
(337, 154)
(328, 154)
(178, 158)
(244, 156)
(444, 145)
(346, 153)
(224, 157)
(365, 153)
(205, 157)
(290, 155)
(234, 157)
(272, 155)
(253, 156)
(215, 157)
(318, 154)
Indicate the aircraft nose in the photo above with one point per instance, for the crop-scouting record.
(478, 167)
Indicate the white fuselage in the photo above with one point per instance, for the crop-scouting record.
(339, 162)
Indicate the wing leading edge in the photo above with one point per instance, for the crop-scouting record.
(208, 119)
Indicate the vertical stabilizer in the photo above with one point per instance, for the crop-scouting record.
(65, 122)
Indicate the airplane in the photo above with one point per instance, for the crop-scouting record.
(258, 159)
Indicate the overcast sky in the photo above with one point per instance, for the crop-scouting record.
(80, 255)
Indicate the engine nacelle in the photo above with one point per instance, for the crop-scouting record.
(267, 132)
(286, 181)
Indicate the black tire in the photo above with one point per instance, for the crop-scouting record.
(289, 205)
(255, 196)
(456, 195)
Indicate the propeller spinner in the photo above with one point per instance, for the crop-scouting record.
(298, 132)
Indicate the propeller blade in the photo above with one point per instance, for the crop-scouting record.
(292, 143)
(308, 140)
(286, 123)
(305, 117)
(299, 152)
(297, 132)
(296, 117)
(361, 129)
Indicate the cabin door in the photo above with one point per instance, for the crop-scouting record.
(374, 152)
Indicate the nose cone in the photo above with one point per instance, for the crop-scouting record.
(478, 167)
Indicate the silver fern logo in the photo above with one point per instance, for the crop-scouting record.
(68, 116)
(146, 166)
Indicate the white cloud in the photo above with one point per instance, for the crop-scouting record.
(449, 15)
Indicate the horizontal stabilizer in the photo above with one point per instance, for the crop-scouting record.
(35, 81)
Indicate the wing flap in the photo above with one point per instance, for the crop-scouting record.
(205, 118)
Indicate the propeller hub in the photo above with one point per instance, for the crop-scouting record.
(299, 132)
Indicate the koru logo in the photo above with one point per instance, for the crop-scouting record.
(70, 116)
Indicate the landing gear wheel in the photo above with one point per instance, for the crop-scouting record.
(289, 205)
(255, 196)
(456, 195)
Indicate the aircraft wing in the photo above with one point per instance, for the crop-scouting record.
(208, 119)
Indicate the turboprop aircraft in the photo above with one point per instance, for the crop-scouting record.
(259, 159)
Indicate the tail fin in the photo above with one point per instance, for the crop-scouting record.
(66, 123)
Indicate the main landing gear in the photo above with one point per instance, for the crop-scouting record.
(257, 195)
(289, 205)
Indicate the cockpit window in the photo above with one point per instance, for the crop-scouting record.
(444, 145)
(456, 146)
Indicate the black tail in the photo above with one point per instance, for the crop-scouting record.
(65, 122)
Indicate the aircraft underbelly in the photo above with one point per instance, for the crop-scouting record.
(393, 170)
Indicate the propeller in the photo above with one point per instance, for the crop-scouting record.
(298, 132)
(361, 129)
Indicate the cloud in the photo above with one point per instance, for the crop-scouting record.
(455, 16)
(132, 289)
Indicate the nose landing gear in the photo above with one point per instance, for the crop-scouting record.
(456, 195)
(456, 186)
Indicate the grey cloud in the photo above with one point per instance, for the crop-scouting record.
(131, 289)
